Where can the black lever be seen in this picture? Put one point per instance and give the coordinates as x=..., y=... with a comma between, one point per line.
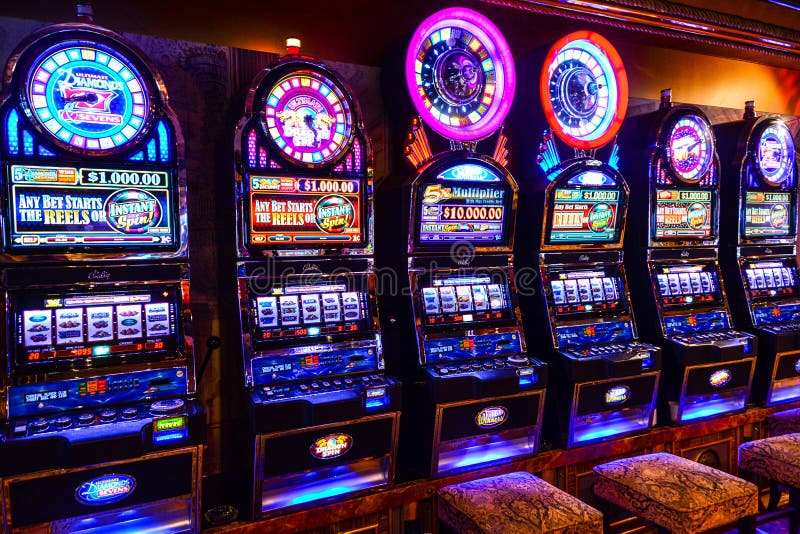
x=212, y=344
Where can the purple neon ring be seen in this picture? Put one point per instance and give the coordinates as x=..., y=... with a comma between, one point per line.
x=499, y=52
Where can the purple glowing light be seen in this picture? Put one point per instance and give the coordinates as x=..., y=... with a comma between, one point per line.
x=487, y=94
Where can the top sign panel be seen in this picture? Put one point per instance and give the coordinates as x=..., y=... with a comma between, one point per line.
x=87, y=98
x=308, y=118
x=460, y=74
x=584, y=90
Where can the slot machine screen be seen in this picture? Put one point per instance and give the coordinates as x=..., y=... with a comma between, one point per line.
x=575, y=293
x=688, y=283
x=584, y=216
x=316, y=311
x=286, y=211
x=61, y=209
x=453, y=209
x=459, y=300
x=771, y=279
x=768, y=214
x=683, y=214
x=93, y=328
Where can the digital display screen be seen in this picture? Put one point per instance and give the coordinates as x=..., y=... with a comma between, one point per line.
x=450, y=212
x=682, y=214
x=307, y=311
x=586, y=291
x=292, y=211
x=767, y=214
x=463, y=299
x=60, y=208
x=771, y=279
x=584, y=216
x=683, y=284
x=72, y=327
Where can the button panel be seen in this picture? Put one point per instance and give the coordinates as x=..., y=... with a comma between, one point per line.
x=288, y=391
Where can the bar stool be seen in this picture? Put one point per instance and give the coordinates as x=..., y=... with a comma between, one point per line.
x=677, y=494
x=779, y=423
x=778, y=459
x=514, y=503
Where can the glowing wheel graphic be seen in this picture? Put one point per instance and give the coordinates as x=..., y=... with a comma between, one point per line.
x=690, y=148
x=460, y=74
x=584, y=90
x=775, y=153
x=87, y=97
x=308, y=117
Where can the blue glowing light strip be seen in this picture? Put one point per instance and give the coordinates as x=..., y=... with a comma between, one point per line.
x=486, y=453
x=163, y=141
x=12, y=133
x=548, y=157
x=713, y=407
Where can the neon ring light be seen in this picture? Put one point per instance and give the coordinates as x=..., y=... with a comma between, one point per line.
x=690, y=147
x=775, y=153
x=584, y=90
x=87, y=97
x=460, y=74
x=308, y=117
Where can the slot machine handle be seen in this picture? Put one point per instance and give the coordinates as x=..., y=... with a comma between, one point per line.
x=212, y=344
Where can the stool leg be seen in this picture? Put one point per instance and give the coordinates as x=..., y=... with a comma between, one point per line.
x=747, y=525
x=774, y=496
x=794, y=514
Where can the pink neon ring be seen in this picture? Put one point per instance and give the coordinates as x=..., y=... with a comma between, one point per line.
x=488, y=34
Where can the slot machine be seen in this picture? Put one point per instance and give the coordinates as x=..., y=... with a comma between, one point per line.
x=607, y=379
x=100, y=430
x=324, y=417
x=479, y=396
x=709, y=366
x=759, y=255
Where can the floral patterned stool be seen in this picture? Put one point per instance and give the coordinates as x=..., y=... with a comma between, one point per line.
x=514, y=503
x=777, y=459
x=677, y=494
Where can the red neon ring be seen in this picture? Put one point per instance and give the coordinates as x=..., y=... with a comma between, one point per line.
x=622, y=89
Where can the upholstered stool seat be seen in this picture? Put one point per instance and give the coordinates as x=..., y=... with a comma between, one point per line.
x=777, y=459
x=677, y=494
x=786, y=422
x=515, y=503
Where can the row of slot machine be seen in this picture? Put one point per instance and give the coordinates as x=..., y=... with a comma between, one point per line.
x=98, y=385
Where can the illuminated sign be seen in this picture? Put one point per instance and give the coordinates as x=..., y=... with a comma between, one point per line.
x=331, y=446
x=308, y=118
x=491, y=417
x=169, y=423
x=105, y=489
x=584, y=215
x=289, y=210
x=719, y=378
x=618, y=395
x=88, y=97
x=767, y=214
x=460, y=74
x=797, y=365
x=468, y=172
x=584, y=90
x=683, y=214
x=63, y=207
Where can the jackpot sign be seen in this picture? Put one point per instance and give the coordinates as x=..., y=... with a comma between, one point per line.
x=60, y=206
